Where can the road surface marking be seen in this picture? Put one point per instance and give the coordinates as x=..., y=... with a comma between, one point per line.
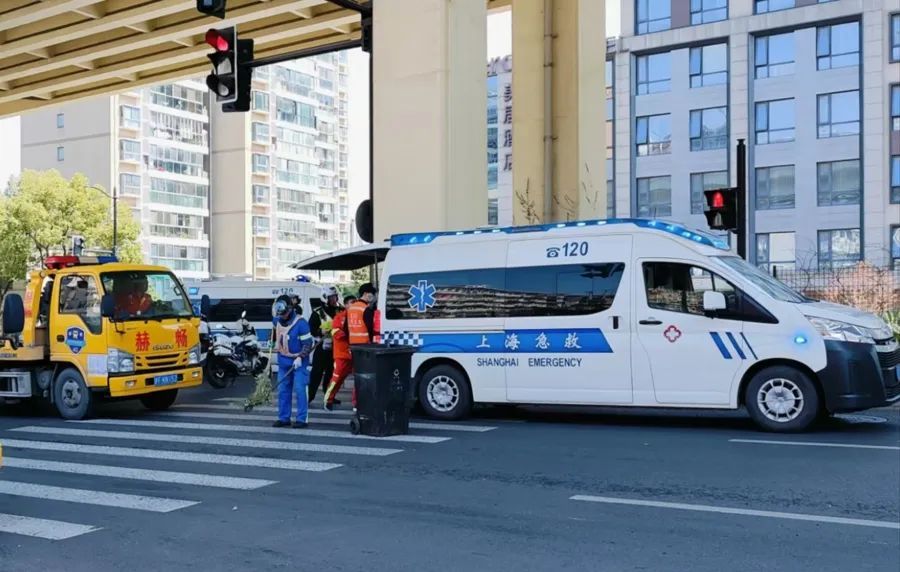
x=42, y=528
x=257, y=429
x=137, y=474
x=100, y=498
x=225, y=414
x=814, y=444
x=238, y=405
x=172, y=455
x=740, y=511
x=168, y=438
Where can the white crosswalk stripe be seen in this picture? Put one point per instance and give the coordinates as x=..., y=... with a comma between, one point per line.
x=99, y=498
x=299, y=433
x=323, y=420
x=198, y=479
x=313, y=411
x=270, y=463
x=170, y=438
x=42, y=528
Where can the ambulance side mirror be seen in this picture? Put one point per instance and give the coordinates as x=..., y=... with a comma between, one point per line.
x=713, y=303
x=13, y=314
x=108, y=306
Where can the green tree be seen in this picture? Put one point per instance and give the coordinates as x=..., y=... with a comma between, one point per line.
x=42, y=211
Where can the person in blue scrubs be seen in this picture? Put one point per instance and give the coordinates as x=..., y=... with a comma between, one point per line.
x=293, y=343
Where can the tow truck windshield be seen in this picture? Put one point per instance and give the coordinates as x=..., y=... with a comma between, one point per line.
x=146, y=295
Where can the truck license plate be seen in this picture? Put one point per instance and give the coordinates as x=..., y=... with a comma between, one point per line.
x=165, y=379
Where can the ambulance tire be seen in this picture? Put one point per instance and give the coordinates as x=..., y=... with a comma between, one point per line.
x=159, y=400
x=444, y=393
x=71, y=395
x=782, y=399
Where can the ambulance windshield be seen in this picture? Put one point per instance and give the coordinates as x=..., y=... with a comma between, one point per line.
x=771, y=286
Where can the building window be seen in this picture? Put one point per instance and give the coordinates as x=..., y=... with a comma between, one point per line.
x=654, y=197
x=775, y=121
x=493, y=214
x=839, y=183
x=774, y=55
x=263, y=256
x=260, y=226
x=775, y=188
x=839, y=247
x=709, y=65
x=260, y=101
x=295, y=112
x=705, y=182
x=130, y=184
x=654, y=135
x=837, y=46
x=129, y=150
x=838, y=114
x=895, y=38
x=260, y=194
x=260, y=163
x=709, y=129
x=895, y=247
x=610, y=199
x=763, y=6
x=260, y=132
x=653, y=15
x=704, y=11
x=895, y=179
x=130, y=117
x=895, y=107
x=654, y=73
x=60, y=120
x=60, y=154
x=776, y=251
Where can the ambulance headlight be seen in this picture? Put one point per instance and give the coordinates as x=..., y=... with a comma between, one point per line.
x=118, y=361
x=841, y=331
x=194, y=355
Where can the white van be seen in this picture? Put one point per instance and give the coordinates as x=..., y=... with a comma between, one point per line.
x=620, y=312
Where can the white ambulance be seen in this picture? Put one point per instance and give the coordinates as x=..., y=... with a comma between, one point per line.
x=624, y=312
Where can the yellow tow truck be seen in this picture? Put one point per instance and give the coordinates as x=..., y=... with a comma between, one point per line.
x=92, y=327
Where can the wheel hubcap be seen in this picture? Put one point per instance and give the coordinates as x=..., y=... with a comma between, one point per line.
x=443, y=393
x=780, y=400
x=71, y=394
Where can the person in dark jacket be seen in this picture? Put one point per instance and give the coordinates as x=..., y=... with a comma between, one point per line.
x=320, y=326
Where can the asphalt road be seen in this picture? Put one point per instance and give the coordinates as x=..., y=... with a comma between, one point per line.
x=518, y=489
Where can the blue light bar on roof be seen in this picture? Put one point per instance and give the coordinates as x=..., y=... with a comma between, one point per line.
x=696, y=236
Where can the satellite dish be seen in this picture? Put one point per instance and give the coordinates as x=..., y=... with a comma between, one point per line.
x=364, y=224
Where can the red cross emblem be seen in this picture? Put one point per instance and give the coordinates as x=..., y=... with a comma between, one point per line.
x=672, y=334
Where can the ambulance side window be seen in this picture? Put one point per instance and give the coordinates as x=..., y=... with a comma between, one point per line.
x=79, y=295
x=679, y=288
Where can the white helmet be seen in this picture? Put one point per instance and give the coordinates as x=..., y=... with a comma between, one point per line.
x=328, y=292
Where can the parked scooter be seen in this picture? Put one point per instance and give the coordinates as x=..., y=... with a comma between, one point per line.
x=233, y=354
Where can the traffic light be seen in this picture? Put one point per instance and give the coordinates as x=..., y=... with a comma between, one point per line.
x=212, y=7
x=721, y=209
x=231, y=74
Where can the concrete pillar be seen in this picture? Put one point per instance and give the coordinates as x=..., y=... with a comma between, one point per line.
x=231, y=241
x=430, y=155
x=576, y=91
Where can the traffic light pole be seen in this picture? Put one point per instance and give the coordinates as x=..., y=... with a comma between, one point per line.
x=741, y=231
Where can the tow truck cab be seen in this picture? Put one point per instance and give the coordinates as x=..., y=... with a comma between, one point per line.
x=92, y=327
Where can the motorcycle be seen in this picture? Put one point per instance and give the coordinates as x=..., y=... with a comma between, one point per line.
x=232, y=354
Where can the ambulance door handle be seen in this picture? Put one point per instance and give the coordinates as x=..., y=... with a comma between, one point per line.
x=650, y=322
x=615, y=322
x=60, y=338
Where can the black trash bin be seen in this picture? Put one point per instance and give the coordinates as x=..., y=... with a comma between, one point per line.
x=381, y=375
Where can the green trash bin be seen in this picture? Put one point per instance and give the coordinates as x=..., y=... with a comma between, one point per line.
x=382, y=377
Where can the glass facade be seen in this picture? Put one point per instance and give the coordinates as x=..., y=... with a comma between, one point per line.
x=774, y=55
x=775, y=187
x=775, y=122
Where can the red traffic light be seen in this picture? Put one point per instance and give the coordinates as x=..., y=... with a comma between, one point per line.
x=217, y=40
x=718, y=200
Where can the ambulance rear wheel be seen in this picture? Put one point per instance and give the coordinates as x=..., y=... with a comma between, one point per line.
x=159, y=400
x=73, y=398
x=782, y=399
x=444, y=393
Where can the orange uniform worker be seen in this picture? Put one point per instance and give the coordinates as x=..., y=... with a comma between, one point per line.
x=357, y=327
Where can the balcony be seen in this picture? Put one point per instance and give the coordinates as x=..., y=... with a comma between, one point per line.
x=182, y=232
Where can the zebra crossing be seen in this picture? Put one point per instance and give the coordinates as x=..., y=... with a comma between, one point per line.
x=188, y=452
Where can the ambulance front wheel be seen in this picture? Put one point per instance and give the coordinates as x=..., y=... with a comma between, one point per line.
x=444, y=393
x=782, y=399
x=73, y=398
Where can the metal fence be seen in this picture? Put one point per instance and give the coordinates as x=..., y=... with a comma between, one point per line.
x=865, y=287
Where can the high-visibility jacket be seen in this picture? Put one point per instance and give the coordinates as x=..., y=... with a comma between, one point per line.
x=341, y=343
x=357, y=331
x=377, y=326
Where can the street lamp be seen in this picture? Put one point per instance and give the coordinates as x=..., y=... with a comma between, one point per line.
x=115, y=200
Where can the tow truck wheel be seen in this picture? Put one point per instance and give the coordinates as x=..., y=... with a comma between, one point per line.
x=73, y=399
x=782, y=399
x=159, y=400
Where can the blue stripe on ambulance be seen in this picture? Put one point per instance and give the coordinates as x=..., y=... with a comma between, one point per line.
x=720, y=344
x=575, y=340
x=738, y=348
x=749, y=347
